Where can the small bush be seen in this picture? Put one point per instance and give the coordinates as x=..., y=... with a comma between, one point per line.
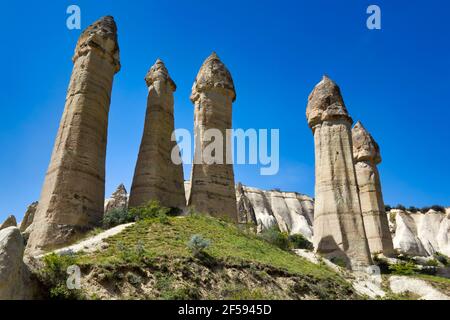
x=432, y=263
x=53, y=276
x=151, y=210
x=275, y=237
x=442, y=258
x=198, y=244
x=400, y=207
x=425, y=209
x=413, y=209
x=116, y=217
x=403, y=268
x=387, y=208
x=298, y=241
x=438, y=208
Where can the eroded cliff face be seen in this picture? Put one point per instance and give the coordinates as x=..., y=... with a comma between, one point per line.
x=420, y=234
x=290, y=211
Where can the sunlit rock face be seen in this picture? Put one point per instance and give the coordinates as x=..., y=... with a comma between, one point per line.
x=366, y=153
x=73, y=193
x=212, y=184
x=156, y=175
x=420, y=234
x=338, y=224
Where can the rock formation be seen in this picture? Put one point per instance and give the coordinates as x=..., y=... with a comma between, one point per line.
x=15, y=279
x=420, y=234
x=156, y=176
x=366, y=153
x=28, y=217
x=291, y=212
x=118, y=200
x=9, y=222
x=338, y=225
x=72, y=197
x=212, y=184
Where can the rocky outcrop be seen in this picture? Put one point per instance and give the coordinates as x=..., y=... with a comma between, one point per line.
x=420, y=234
x=157, y=175
x=118, y=200
x=291, y=212
x=15, y=279
x=366, y=153
x=28, y=217
x=212, y=182
x=72, y=198
x=9, y=222
x=338, y=223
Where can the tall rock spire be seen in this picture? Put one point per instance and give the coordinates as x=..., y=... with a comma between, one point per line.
x=366, y=155
x=156, y=176
x=73, y=193
x=338, y=225
x=212, y=184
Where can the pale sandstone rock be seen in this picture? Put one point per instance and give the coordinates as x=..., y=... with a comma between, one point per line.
x=118, y=200
x=9, y=222
x=212, y=185
x=366, y=153
x=73, y=194
x=15, y=279
x=156, y=176
x=290, y=211
x=402, y=284
x=28, y=217
x=338, y=224
x=421, y=234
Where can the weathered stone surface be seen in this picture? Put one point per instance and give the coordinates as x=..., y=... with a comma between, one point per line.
x=28, y=217
x=290, y=211
x=15, y=279
x=72, y=197
x=156, y=176
x=212, y=185
x=366, y=155
x=118, y=200
x=338, y=224
x=9, y=222
x=421, y=234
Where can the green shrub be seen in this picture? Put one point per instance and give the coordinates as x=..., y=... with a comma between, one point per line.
x=403, y=268
x=432, y=263
x=275, y=237
x=116, y=217
x=53, y=276
x=387, y=208
x=197, y=244
x=413, y=209
x=298, y=241
x=442, y=258
x=150, y=210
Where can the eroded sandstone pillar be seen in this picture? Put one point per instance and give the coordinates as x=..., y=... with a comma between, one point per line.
x=366, y=154
x=212, y=185
x=338, y=225
x=72, y=197
x=156, y=176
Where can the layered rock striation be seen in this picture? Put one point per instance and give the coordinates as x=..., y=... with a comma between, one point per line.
x=366, y=153
x=159, y=172
x=212, y=182
x=338, y=225
x=73, y=193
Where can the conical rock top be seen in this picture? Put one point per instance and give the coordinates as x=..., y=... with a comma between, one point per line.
x=213, y=74
x=325, y=103
x=364, y=145
x=100, y=36
x=9, y=222
x=159, y=72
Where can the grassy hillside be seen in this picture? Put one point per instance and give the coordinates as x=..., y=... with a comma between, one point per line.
x=151, y=260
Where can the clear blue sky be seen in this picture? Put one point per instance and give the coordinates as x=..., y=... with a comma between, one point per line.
x=397, y=81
